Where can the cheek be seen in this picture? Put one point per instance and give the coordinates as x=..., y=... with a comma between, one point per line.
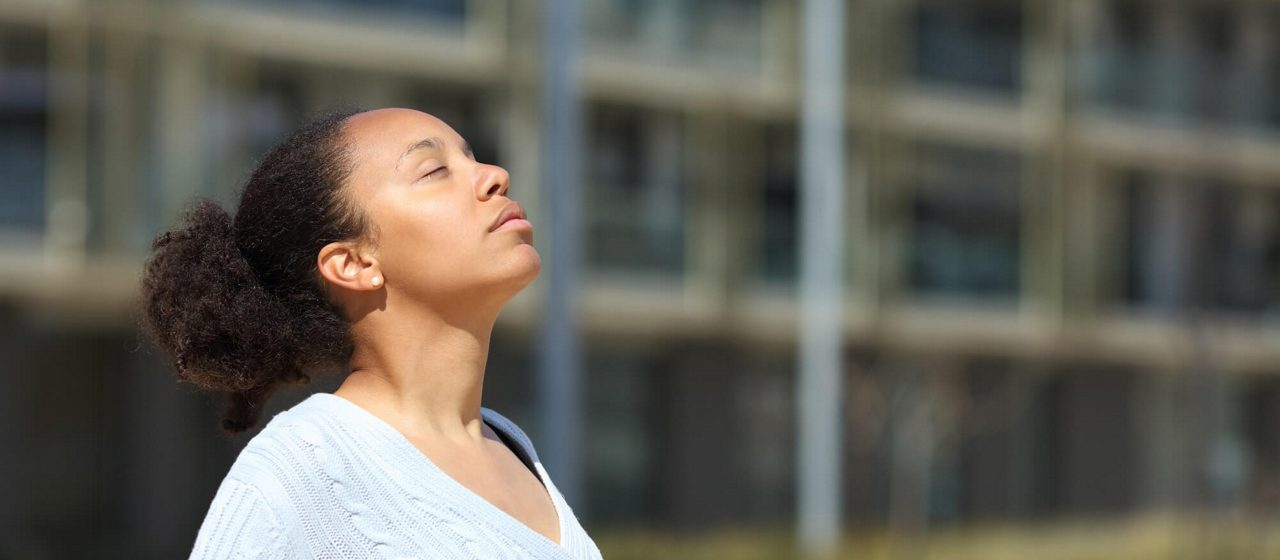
x=427, y=241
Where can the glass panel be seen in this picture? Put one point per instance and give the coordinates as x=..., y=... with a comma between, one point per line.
x=1201, y=243
x=1204, y=61
x=277, y=103
x=635, y=193
x=1244, y=248
x=453, y=10
x=726, y=32
x=23, y=113
x=619, y=440
x=971, y=43
x=779, y=234
x=965, y=222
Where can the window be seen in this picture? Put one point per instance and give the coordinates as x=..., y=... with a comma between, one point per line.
x=725, y=31
x=635, y=190
x=1195, y=242
x=780, y=236
x=450, y=10
x=1206, y=61
x=23, y=113
x=965, y=222
x=975, y=44
x=619, y=442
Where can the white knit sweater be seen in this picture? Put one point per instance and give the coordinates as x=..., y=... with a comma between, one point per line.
x=328, y=479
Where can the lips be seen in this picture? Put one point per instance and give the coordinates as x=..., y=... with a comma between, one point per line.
x=512, y=211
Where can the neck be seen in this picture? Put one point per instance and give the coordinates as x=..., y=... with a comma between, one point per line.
x=422, y=373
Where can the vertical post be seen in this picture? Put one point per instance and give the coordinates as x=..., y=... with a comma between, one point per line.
x=558, y=349
x=821, y=276
x=119, y=211
x=183, y=83
x=67, y=144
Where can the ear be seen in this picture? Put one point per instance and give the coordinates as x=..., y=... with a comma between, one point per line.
x=342, y=264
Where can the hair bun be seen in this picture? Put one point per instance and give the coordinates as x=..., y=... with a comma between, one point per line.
x=240, y=305
x=200, y=294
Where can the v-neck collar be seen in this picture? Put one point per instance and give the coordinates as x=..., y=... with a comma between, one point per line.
x=424, y=465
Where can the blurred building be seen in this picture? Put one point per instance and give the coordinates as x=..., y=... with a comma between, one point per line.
x=1064, y=257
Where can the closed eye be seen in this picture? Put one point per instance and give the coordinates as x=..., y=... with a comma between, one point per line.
x=437, y=172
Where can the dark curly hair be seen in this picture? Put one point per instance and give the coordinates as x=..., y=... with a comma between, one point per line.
x=240, y=305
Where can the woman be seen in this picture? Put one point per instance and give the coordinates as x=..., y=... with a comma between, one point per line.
x=375, y=242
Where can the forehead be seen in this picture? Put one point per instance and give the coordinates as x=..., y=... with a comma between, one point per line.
x=382, y=135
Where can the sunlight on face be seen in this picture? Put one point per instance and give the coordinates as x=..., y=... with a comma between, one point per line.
x=434, y=209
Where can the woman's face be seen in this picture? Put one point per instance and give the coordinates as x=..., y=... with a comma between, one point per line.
x=434, y=208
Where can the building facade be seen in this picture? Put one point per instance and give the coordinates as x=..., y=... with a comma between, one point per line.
x=1063, y=253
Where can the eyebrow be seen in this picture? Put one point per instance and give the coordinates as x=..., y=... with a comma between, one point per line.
x=432, y=143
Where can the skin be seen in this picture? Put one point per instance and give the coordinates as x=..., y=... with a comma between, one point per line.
x=424, y=294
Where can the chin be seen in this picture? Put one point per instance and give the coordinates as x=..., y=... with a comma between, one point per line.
x=534, y=264
x=529, y=253
x=523, y=269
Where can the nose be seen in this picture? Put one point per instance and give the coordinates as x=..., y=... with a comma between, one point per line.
x=491, y=180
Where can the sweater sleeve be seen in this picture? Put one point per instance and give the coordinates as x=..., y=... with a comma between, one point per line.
x=240, y=524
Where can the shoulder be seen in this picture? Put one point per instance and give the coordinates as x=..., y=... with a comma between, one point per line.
x=240, y=523
x=306, y=422
x=311, y=462
x=511, y=429
x=318, y=419
x=290, y=440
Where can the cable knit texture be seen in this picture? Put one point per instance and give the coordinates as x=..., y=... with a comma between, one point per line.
x=328, y=479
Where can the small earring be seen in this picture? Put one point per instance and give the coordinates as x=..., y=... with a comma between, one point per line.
x=376, y=281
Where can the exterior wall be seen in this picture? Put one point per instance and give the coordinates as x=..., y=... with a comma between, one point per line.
x=1062, y=262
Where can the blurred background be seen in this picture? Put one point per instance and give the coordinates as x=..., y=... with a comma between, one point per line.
x=1062, y=258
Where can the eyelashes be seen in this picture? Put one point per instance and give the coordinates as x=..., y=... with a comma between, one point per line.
x=435, y=172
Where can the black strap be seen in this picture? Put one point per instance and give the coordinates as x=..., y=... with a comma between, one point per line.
x=515, y=448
